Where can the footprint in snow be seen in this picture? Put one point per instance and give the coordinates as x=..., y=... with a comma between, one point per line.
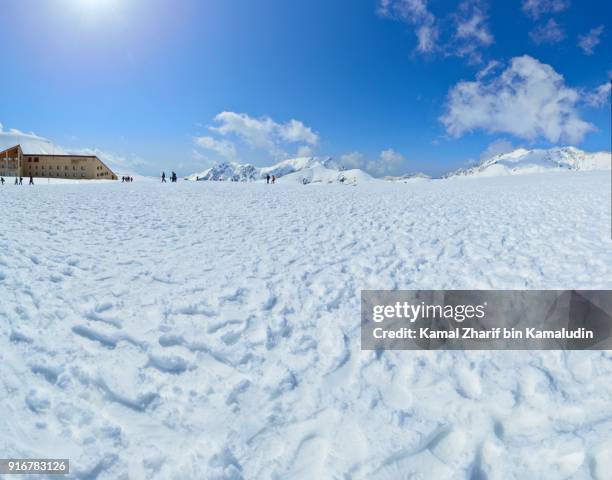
x=172, y=364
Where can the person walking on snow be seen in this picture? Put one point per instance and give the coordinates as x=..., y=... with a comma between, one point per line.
x=2, y=180
x=31, y=180
x=268, y=178
x=273, y=178
x=20, y=180
x=163, y=177
x=16, y=181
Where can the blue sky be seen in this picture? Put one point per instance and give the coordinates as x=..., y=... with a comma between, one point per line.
x=391, y=86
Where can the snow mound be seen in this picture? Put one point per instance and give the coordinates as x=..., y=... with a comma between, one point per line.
x=522, y=161
x=320, y=174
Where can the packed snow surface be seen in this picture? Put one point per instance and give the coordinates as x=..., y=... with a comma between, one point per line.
x=211, y=330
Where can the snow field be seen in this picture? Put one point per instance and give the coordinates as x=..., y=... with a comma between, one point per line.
x=211, y=330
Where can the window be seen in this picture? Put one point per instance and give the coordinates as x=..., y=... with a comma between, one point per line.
x=36, y=159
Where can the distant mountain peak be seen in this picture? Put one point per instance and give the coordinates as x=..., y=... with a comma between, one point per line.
x=522, y=160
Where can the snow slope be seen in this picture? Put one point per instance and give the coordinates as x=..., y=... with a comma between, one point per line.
x=522, y=161
x=191, y=331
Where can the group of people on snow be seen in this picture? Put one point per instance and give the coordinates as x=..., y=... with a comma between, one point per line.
x=18, y=180
x=173, y=177
x=127, y=179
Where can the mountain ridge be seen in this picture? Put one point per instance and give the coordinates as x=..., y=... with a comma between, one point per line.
x=522, y=160
x=327, y=170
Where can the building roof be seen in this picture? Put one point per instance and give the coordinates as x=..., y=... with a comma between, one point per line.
x=45, y=154
x=10, y=148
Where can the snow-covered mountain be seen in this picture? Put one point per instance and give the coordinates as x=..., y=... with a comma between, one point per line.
x=521, y=161
x=228, y=171
x=292, y=165
x=244, y=172
x=320, y=174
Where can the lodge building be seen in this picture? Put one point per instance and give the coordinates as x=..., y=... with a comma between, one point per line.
x=15, y=163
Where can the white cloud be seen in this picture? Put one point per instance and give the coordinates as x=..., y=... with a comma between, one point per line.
x=415, y=13
x=497, y=147
x=222, y=147
x=599, y=96
x=536, y=8
x=551, y=32
x=199, y=157
x=488, y=69
x=120, y=164
x=296, y=131
x=589, y=41
x=305, y=151
x=264, y=133
x=472, y=32
x=354, y=160
x=388, y=162
x=463, y=34
x=529, y=99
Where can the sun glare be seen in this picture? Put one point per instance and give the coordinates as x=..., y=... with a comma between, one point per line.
x=94, y=5
x=93, y=10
